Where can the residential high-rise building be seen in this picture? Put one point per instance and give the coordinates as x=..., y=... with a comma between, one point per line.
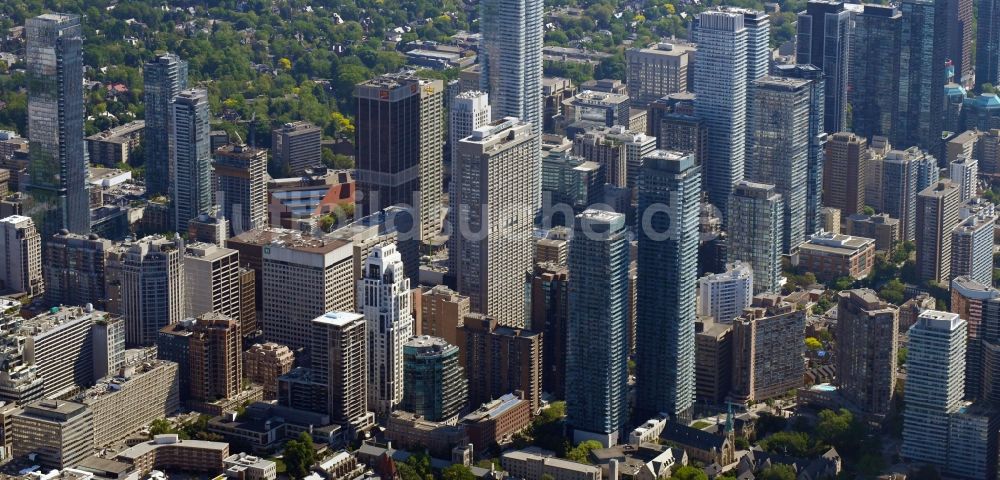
x=209, y=227
x=755, y=233
x=241, y=186
x=163, y=78
x=400, y=138
x=845, y=172
x=57, y=153
x=215, y=358
x=315, y=271
x=74, y=269
x=972, y=248
x=60, y=434
x=338, y=346
x=780, y=148
x=823, y=40
x=441, y=313
x=21, y=246
x=669, y=191
x=937, y=215
x=713, y=361
x=152, y=288
x=297, y=146
x=817, y=139
x=491, y=181
x=874, y=70
x=723, y=296
x=190, y=157
x=657, y=71
x=965, y=173
x=550, y=315
x=594, y=145
x=597, y=344
x=969, y=299
x=554, y=248
x=719, y=82
x=934, y=384
x=866, y=348
x=263, y=363
x=384, y=299
x=768, y=356
x=434, y=384
x=510, y=59
x=988, y=44
x=922, y=58
x=467, y=112
x=590, y=108
x=899, y=189
x=212, y=280
x=500, y=359
x=674, y=125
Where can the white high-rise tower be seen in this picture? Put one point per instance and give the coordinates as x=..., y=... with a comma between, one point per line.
x=510, y=58
x=384, y=299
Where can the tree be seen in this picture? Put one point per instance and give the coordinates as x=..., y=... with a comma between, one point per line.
x=778, y=472
x=868, y=210
x=548, y=477
x=299, y=456
x=796, y=444
x=407, y=472
x=581, y=453
x=813, y=344
x=688, y=472
x=160, y=426
x=901, y=355
x=457, y=472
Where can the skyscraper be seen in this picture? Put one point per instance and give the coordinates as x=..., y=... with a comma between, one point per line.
x=755, y=233
x=337, y=343
x=767, y=354
x=241, y=186
x=874, y=70
x=215, y=358
x=657, y=71
x=152, y=288
x=434, y=384
x=845, y=173
x=934, y=384
x=867, y=334
x=899, y=189
x=212, y=280
x=965, y=173
x=969, y=299
x=163, y=78
x=384, y=299
x=500, y=359
x=723, y=296
x=597, y=344
x=510, y=58
x=824, y=41
x=297, y=146
x=57, y=152
x=669, y=191
x=780, y=153
x=972, y=247
x=922, y=59
x=493, y=182
x=190, y=158
x=21, y=246
x=720, y=72
x=550, y=315
x=817, y=139
x=959, y=23
x=937, y=215
x=400, y=138
x=988, y=44
x=75, y=270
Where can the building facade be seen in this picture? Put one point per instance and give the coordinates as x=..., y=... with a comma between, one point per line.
x=190, y=157
x=241, y=186
x=163, y=78
x=21, y=267
x=434, y=383
x=755, y=233
x=866, y=350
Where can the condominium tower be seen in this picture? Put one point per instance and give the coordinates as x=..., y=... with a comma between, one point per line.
x=866, y=346
x=163, y=78
x=190, y=157
x=597, y=346
x=21, y=247
x=493, y=182
x=152, y=288
x=384, y=299
x=755, y=233
x=241, y=186
x=57, y=159
x=824, y=30
x=669, y=191
x=719, y=83
x=510, y=59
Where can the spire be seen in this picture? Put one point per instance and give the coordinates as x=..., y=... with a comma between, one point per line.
x=729, y=417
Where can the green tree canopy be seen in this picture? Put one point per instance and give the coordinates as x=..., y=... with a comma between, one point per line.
x=299, y=456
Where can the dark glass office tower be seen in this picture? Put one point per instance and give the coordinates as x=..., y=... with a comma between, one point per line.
x=875, y=75
x=163, y=79
x=824, y=41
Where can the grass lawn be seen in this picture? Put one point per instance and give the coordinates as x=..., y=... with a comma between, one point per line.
x=700, y=424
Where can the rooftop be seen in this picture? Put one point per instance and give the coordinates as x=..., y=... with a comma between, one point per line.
x=836, y=242
x=338, y=319
x=170, y=440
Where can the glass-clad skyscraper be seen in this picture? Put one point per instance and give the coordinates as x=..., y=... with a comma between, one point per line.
x=669, y=192
x=163, y=78
x=58, y=157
